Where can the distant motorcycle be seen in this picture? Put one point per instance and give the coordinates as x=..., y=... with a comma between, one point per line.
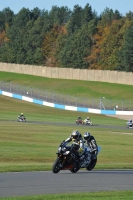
x=88, y=122
x=21, y=119
x=66, y=156
x=129, y=124
x=79, y=121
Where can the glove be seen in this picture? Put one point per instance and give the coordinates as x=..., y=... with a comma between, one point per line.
x=80, y=150
x=73, y=140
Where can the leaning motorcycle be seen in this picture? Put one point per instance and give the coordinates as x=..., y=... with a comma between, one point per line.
x=21, y=119
x=129, y=124
x=66, y=159
x=79, y=121
x=88, y=122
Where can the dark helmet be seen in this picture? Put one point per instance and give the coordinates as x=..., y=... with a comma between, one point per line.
x=86, y=135
x=75, y=134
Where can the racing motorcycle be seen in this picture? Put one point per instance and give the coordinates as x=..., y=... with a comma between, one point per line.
x=21, y=119
x=129, y=125
x=79, y=121
x=66, y=157
x=88, y=122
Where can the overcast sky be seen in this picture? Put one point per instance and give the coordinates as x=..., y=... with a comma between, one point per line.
x=123, y=6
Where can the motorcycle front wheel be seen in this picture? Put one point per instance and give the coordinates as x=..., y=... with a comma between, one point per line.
x=56, y=166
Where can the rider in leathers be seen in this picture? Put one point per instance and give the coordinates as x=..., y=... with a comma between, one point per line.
x=91, y=143
x=78, y=141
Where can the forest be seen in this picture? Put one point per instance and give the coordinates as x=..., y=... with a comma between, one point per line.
x=78, y=38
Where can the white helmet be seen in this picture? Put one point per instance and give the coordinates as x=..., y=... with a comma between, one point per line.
x=86, y=135
x=75, y=134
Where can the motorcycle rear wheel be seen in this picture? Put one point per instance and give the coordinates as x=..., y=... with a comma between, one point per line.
x=92, y=164
x=56, y=168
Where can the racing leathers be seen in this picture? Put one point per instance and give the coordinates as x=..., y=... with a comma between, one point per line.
x=91, y=142
x=79, y=146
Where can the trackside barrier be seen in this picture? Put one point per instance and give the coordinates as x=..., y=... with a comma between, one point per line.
x=64, y=107
x=101, y=103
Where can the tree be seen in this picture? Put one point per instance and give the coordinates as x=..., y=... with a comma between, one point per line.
x=126, y=53
x=50, y=43
x=108, y=16
x=74, y=49
x=59, y=16
x=75, y=22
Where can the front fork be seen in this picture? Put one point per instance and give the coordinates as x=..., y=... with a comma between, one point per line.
x=62, y=160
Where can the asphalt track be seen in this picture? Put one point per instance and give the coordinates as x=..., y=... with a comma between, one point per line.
x=33, y=183
x=72, y=124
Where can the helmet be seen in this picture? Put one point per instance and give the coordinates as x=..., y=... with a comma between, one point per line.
x=22, y=113
x=88, y=118
x=86, y=135
x=75, y=134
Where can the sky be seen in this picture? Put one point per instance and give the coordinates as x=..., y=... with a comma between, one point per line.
x=123, y=6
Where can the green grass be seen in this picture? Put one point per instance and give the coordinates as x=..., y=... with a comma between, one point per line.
x=86, y=89
x=30, y=147
x=112, y=195
x=26, y=146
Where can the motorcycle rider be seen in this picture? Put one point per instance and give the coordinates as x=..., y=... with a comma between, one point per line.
x=88, y=119
x=78, y=141
x=91, y=142
x=21, y=115
x=130, y=121
x=79, y=118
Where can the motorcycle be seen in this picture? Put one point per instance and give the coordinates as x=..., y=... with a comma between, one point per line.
x=21, y=119
x=66, y=156
x=79, y=121
x=88, y=122
x=129, y=124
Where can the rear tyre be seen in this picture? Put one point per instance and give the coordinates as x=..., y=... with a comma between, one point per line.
x=92, y=164
x=56, y=166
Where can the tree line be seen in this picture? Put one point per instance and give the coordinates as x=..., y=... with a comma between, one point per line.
x=61, y=37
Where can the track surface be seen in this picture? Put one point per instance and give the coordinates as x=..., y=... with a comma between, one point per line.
x=33, y=183
x=72, y=124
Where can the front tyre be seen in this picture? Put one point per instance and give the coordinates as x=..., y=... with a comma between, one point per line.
x=56, y=165
x=92, y=164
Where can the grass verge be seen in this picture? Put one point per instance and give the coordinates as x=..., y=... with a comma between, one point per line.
x=112, y=195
